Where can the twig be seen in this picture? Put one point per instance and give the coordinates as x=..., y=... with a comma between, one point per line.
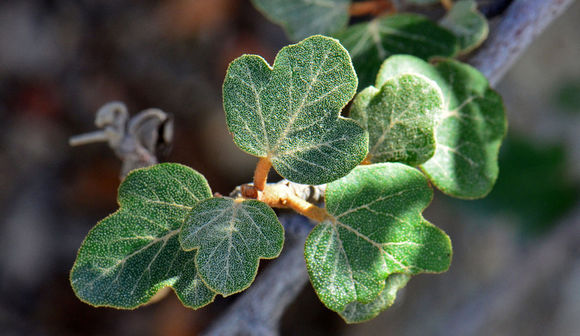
x=136, y=141
x=523, y=21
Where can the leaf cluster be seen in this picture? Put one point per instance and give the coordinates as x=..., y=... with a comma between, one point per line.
x=419, y=124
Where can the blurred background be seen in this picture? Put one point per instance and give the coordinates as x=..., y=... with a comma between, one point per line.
x=516, y=267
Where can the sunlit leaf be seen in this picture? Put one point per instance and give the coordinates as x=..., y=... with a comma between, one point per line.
x=231, y=236
x=132, y=254
x=467, y=23
x=356, y=312
x=399, y=118
x=375, y=229
x=302, y=18
x=470, y=127
x=370, y=43
x=290, y=113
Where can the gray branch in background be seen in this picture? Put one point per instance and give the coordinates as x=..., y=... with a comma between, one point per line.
x=523, y=21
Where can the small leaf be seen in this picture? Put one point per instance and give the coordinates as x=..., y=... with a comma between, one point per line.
x=290, y=113
x=356, y=312
x=375, y=229
x=470, y=127
x=370, y=43
x=129, y=256
x=399, y=118
x=231, y=236
x=302, y=18
x=467, y=23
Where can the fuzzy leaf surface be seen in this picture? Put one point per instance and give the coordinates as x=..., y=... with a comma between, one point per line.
x=470, y=128
x=375, y=229
x=130, y=255
x=400, y=118
x=356, y=312
x=302, y=18
x=290, y=113
x=370, y=43
x=230, y=237
x=467, y=23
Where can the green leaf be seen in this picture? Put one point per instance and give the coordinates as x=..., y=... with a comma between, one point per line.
x=375, y=229
x=356, y=312
x=290, y=112
x=231, y=236
x=467, y=23
x=130, y=255
x=370, y=43
x=470, y=128
x=302, y=18
x=400, y=118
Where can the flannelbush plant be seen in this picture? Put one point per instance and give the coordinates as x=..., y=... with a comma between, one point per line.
x=420, y=124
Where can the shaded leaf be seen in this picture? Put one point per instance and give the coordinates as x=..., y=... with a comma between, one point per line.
x=129, y=256
x=399, y=118
x=375, y=229
x=231, y=236
x=356, y=312
x=302, y=18
x=470, y=128
x=467, y=23
x=370, y=43
x=290, y=113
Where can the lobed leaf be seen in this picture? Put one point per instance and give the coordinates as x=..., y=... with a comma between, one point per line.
x=375, y=229
x=290, y=113
x=356, y=312
x=370, y=43
x=302, y=18
x=399, y=118
x=467, y=23
x=471, y=126
x=130, y=255
x=231, y=236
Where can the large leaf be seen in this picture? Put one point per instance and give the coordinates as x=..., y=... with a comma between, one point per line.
x=399, y=118
x=130, y=255
x=231, y=236
x=290, y=113
x=375, y=229
x=470, y=128
x=467, y=23
x=356, y=312
x=302, y=18
x=370, y=43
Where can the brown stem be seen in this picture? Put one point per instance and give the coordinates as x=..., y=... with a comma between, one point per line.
x=280, y=196
x=366, y=161
x=447, y=4
x=261, y=173
x=371, y=7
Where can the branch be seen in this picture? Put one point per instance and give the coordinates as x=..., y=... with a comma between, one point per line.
x=136, y=141
x=261, y=307
x=524, y=20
